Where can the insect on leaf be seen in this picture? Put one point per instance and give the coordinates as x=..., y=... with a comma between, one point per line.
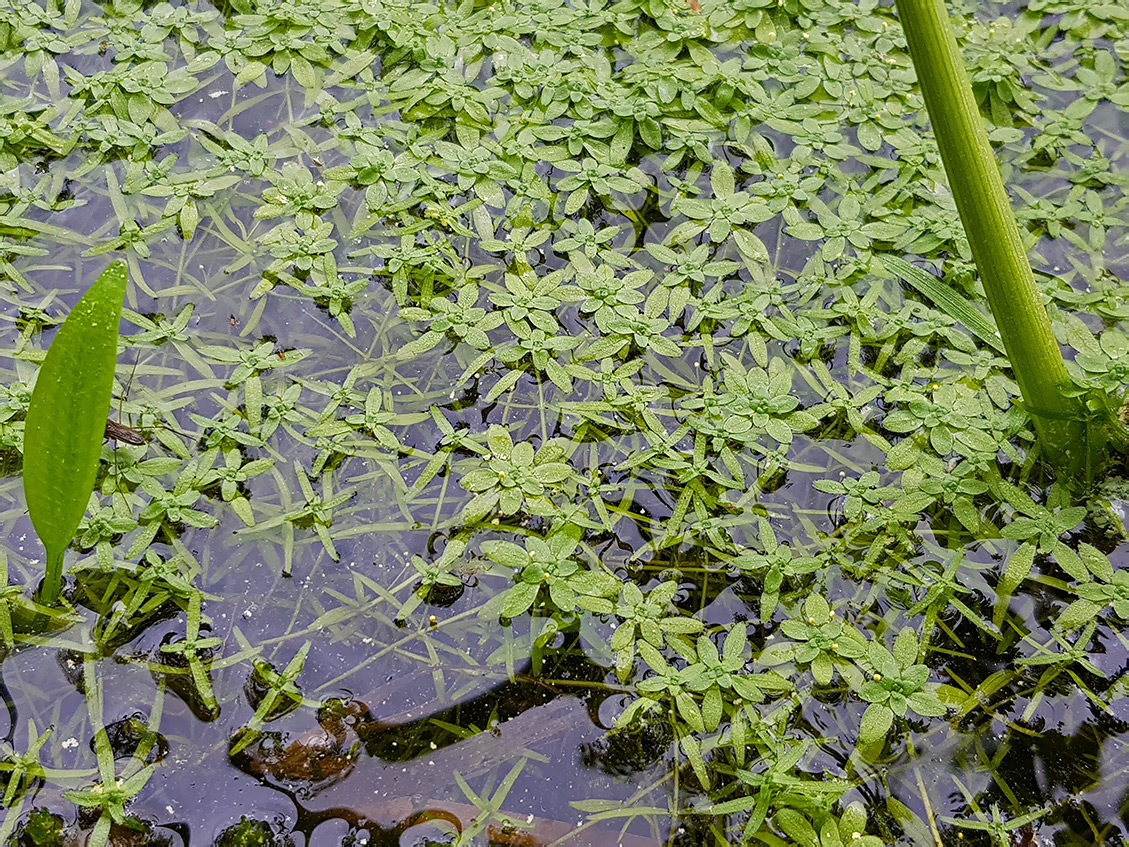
x=66, y=420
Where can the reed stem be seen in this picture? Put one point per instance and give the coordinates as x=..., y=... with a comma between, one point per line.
x=993, y=235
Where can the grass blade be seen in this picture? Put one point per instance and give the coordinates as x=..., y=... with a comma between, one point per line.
x=947, y=300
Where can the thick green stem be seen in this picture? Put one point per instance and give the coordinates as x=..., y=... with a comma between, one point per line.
x=992, y=233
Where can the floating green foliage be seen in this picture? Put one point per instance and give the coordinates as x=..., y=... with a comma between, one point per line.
x=633, y=351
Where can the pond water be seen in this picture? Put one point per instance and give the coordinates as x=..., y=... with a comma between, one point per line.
x=538, y=449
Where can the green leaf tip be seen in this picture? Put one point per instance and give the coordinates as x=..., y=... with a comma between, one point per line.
x=66, y=419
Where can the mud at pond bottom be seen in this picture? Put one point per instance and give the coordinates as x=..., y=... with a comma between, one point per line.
x=390, y=799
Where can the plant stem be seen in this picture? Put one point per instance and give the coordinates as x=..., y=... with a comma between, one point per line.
x=992, y=232
x=53, y=580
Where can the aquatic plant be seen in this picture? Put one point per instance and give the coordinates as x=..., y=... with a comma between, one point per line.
x=1071, y=434
x=66, y=420
x=506, y=352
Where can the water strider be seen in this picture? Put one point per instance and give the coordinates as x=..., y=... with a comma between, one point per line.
x=125, y=434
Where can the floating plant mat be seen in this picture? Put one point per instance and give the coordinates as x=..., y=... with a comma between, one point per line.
x=540, y=448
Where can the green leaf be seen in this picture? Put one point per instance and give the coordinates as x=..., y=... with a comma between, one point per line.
x=816, y=609
x=1069, y=518
x=1078, y=613
x=66, y=419
x=694, y=756
x=735, y=644
x=1096, y=562
x=1070, y=562
x=914, y=678
x=777, y=653
x=906, y=647
x=852, y=824
x=712, y=708
x=947, y=300
x=822, y=668
x=506, y=553
x=903, y=455
x=519, y=598
x=927, y=705
x=506, y=383
x=806, y=231
x=876, y=722
x=1018, y=568
x=796, y=827
x=750, y=245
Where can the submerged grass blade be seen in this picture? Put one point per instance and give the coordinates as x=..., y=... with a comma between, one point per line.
x=947, y=300
x=66, y=420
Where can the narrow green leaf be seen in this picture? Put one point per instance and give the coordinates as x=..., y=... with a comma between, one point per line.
x=947, y=300
x=694, y=756
x=66, y=419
